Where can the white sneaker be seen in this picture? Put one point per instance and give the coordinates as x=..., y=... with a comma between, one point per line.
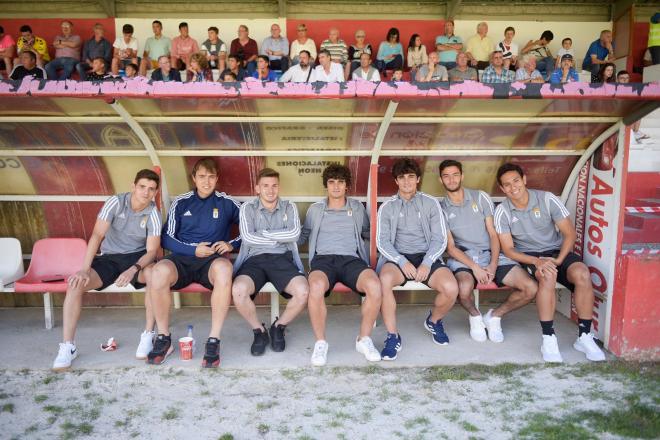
x=550, y=349
x=320, y=354
x=494, y=327
x=587, y=345
x=477, y=328
x=366, y=347
x=67, y=353
x=146, y=345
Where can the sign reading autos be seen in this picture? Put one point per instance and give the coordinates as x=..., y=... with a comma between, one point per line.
x=598, y=226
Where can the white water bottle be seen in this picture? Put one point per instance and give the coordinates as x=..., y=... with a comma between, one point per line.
x=190, y=335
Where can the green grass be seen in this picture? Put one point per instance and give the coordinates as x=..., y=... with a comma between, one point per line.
x=473, y=372
x=417, y=421
x=263, y=428
x=226, y=436
x=469, y=427
x=40, y=398
x=55, y=409
x=72, y=430
x=541, y=426
x=7, y=407
x=171, y=414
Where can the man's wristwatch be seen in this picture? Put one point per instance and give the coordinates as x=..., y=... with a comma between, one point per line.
x=138, y=267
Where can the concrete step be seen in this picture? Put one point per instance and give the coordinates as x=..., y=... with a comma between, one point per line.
x=633, y=235
x=644, y=221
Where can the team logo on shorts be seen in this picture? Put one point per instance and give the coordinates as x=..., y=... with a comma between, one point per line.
x=143, y=223
x=537, y=212
x=215, y=212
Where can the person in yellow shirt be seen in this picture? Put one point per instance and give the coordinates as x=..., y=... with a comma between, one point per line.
x=479, y=47
x=30, y=42
x=654, y=38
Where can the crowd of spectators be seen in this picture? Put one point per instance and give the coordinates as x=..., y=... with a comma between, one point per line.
x=480, y=58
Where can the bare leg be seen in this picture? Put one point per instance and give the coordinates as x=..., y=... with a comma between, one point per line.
x=220, y=274
x=546, y=300
x=163, y=276
x=444, y=283
x=525, y=289
x=465, y=292
x=578, y=274
x=73, y=305
x=241, y=290
x=149, y=319
x=318, y=285
x=390, y=276
x=369, y=283
x=299, y=291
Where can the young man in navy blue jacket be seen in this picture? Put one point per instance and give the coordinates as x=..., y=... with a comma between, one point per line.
x=197, y=235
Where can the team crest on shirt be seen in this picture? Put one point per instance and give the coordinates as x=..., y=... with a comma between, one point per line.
x=143, y=223
x=475, y=207
x=215, y=212
x=350, y=213
x=537, y=212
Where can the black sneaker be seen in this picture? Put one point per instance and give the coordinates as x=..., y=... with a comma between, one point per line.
x=162, y=349
x=277, y=342
x=260, y=341
x=212, y=354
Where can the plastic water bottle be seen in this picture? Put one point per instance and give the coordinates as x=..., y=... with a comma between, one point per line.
x=190, y=335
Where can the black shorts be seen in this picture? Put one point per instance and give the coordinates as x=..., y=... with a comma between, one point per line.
x=416, y=260
x=340, y=268
x=562, y=270
x=110, y=266
x=191, y=269
x=279, y=269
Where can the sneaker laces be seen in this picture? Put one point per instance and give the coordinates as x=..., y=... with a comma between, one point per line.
x=370, y=344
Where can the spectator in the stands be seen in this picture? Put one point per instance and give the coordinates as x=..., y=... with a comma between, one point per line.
x=125, y=50
x=463, y=72
x=355, y=52
x=397, y=75
x=276, y=48
x=198, y=69
x=654, y=38
x=417, y=55
x=95, y=47
x=623, y=77
x=390, y=52
x=228, y=77
x=336, y=47
x=479, y=47
x=263, y=71
x=131, y=71
x=67, y=53
x=99, y=70
x=154, y=48
x=245, y=49
x=234, y=66
x=27, y=66
x=366, y=71
x=545, y=62
x=164, y=72
x=183, y=47
x=7, y=50
x=496, y=73
x=303, y=72
x=30, y=42
x=302, y=42
x=565, y=72
x=215, y=49
x=607, y=73
x=449, y=45
x=566, y=48
x=527, y=72
x=432, y=70
x=327, y=70
x=600, y=52
x=509, y=48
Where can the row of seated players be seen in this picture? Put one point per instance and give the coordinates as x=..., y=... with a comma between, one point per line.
x=478, y=52
x=198, y=70
x=524, y=244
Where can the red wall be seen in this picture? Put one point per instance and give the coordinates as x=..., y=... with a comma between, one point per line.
x=376, y=30
x=641, y=186
x=49, y=28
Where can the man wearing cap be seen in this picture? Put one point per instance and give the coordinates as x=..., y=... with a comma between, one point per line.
x=565, y=72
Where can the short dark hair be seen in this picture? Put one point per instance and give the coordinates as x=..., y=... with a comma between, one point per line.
x=265, y=58
x=30, y=54
x=450, y=163
x=207, y=163
x=232, y=55
x=25, y=28
x=307, y=52
x=134, y=66
x=230, y=73
x=267, y=172
x=392, y=32
x=182, y=25
x=547, y=36
x=566, y=39
x=325, y=52
x=509, y=28
x=622, y=72
x=147, y=174
x=336, y=171
x=505, y=168
x=157, y=22
x=214, y=29
x=100, y=58
x=127, y=29
x=405, y=165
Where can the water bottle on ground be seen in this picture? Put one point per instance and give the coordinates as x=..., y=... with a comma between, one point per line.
x=190, y=335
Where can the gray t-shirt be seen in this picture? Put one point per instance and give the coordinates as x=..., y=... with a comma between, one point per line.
x=439, y=73
x=532, y=228
x=467, y=222
x=128, y=229
x=410, y=237
x=457, y=75
x=337, y=233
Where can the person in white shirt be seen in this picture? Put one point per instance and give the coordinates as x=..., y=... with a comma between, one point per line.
x=509, y=48
x=366, y=71
x=302, y=43
x=301, y=72
x=327, y=71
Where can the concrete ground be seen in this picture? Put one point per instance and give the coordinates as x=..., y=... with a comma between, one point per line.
x=32, y=346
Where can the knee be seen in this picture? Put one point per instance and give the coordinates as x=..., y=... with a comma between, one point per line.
x=301, y=292
x=159, y=276
x=373, y=290
x=240, y=293
x=317, y=287
x=529, y=290
x=449, y=288
x=221, y=271
x=581, y=276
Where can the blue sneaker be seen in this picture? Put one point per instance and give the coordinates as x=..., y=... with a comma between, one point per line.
x=392, y=347
x=438, y=331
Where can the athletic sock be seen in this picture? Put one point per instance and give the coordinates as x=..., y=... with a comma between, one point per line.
x=584, y=326
x=547, y=327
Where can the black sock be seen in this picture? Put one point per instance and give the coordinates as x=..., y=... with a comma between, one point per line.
x=584, y=326
x=546, y=327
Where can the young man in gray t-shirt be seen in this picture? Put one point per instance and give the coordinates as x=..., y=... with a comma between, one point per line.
x=535, y=230
x=127, y=231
